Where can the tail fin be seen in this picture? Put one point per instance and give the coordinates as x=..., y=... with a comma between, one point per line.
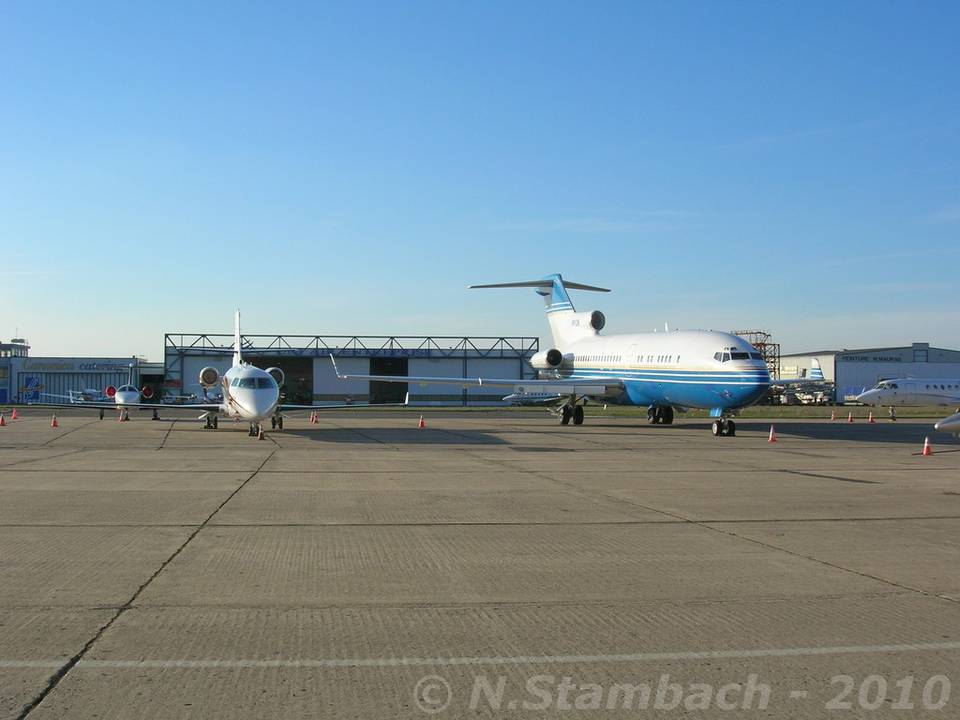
x=565, y=325
x=236, y=338
x=816, y=372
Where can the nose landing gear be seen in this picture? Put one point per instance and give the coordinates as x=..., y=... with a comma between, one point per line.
x=211, y=423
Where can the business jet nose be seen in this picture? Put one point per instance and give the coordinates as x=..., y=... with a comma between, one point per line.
x=949, y=424
x=868, y=398
x=263, y=402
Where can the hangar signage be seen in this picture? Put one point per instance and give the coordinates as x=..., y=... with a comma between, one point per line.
x=68, y=365
x=870, y=358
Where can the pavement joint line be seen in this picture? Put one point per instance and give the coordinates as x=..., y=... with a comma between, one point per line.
x=65, y=667
x=731, y=533
x=493, y=523
x=167, y=433
x=832, y=477
x=58, y=436
x=73, y=451
x=363, y=435
x=389, y=662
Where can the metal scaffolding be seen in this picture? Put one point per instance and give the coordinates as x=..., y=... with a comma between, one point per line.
x=770, y=350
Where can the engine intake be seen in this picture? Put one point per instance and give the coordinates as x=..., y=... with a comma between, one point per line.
x=547, y=359
x=209, y=376
x=597, y=320
x=277, y=374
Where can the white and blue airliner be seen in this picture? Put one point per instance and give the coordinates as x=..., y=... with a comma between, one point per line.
x=663, y=372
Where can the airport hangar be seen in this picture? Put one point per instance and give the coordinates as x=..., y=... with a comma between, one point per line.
x=309, y=374
x=304, y=360
x=853, y=371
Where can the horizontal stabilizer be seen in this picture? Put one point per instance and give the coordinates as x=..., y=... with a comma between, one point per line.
x=543, y=283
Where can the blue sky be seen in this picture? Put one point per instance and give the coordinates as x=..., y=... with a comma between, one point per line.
x=350, y=168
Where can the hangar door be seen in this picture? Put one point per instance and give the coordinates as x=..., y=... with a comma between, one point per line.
x=388, y=392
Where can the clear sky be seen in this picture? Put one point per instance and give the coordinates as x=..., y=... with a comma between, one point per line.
x=351, y=167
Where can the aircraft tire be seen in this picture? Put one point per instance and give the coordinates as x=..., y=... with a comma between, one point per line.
x=731, y=428
x=667, y=416
x=578, y=415
x=565, y=414
x=717, y=428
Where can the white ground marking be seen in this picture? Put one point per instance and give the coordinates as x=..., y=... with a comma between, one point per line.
x=491, y=660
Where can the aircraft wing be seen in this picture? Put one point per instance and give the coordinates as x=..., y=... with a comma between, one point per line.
x=344, y=406
x=589, y=385
x=209, y=407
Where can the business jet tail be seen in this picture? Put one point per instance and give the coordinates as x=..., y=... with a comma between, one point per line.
x=236, y=338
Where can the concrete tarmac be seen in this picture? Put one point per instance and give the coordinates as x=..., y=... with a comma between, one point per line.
x=494, y=564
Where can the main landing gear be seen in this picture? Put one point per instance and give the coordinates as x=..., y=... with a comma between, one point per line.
x=659, y=415
x=276, y=422
x=571, y=412
x=211, y=423
x=723, y=427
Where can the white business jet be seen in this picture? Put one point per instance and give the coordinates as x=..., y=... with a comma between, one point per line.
x=249, y=393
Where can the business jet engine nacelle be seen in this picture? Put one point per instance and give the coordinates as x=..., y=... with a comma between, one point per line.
x=209, y=376
x=277, y=374
x=546, y=359
x=147, y=392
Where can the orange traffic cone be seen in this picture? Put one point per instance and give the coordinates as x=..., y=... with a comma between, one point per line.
x=421, y=425
x=316, y=418
x=2, y=421
x=13, y=415
x=850, y=417
x=871, y=420
x=53, y=422
x=833, y=414
x=927, y=447
x=773, y=435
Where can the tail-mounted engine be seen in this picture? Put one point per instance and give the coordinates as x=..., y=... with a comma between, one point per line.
x=277, y=374
x=209, y=377
x=547, y=359
x=147, y=392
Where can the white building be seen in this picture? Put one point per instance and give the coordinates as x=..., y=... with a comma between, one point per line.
x=852, y=371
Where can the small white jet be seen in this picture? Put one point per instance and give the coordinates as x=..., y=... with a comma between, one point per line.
x=918, y=392
x=120, y=398
x=523, y=397
x=660, y=371
x=249, y=393
x=913, y=392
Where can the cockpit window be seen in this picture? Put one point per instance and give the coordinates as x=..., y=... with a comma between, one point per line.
x=718, y=356
x=756, y=356
x=726, y=357
x=249, y=383
x=740, y=355
x=265, y=383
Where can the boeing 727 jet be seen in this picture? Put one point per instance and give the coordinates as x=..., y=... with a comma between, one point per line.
x=660, y=371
